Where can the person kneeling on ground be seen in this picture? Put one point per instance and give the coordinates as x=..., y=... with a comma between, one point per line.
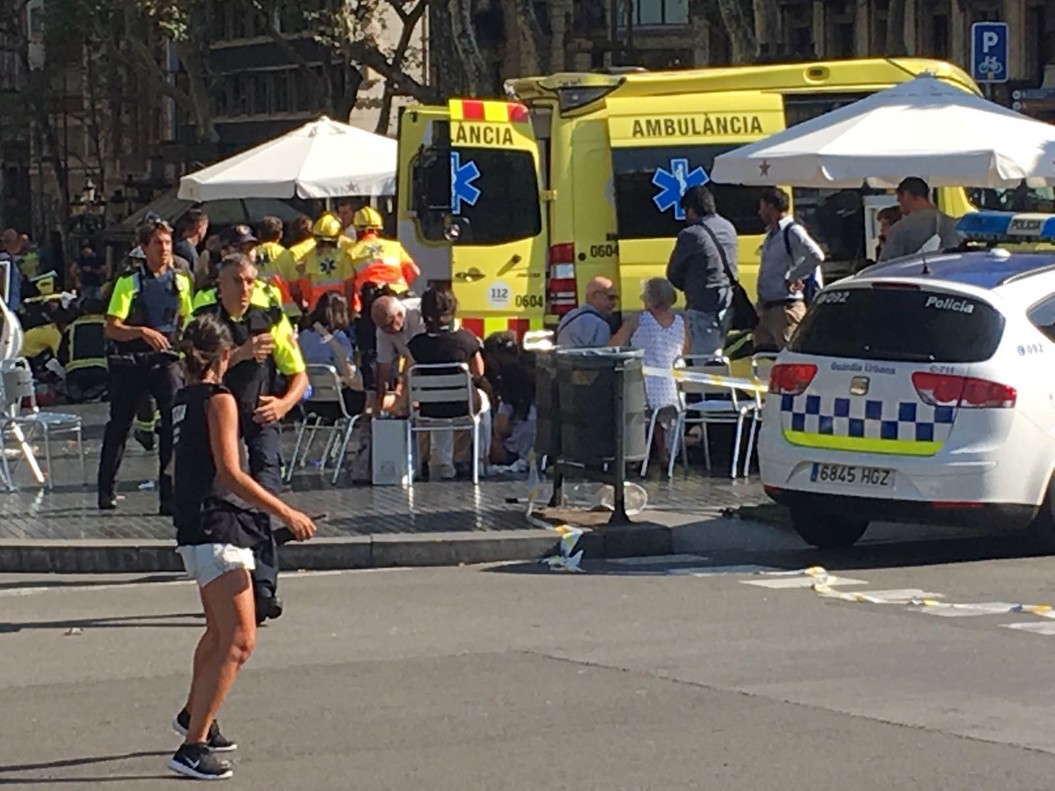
x=219, y=514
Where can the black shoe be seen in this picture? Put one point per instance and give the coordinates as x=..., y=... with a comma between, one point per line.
x=268, y=607
x=216, y=741
x=144, y=438
x=197, y=761
x=107, y=501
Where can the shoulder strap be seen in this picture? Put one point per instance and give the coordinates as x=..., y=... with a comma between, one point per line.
x=721, y=253
x=787, y=239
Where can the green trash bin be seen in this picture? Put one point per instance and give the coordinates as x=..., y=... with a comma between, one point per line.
x=547, y=405
x=587, y=385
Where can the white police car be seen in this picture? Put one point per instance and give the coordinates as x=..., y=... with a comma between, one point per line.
x=922, y=390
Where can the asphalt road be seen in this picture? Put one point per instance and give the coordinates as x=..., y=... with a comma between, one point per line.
x=690, y=673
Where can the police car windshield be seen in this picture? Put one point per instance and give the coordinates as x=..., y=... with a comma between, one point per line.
x=896, y=324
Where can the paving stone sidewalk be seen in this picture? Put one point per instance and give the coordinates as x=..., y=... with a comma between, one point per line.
x=428, y=509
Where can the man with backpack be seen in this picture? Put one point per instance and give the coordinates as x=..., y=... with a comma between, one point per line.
x=704, y=266
x=788, y=275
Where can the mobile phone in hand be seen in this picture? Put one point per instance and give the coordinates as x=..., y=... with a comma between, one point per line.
x=284, y=535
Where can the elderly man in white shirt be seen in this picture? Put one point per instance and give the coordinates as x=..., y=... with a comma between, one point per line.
x=397, y=321
x=789, y=257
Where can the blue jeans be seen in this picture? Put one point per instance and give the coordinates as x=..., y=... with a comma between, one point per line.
x=707, y=331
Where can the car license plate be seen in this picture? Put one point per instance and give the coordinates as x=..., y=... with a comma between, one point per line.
x=850, y=475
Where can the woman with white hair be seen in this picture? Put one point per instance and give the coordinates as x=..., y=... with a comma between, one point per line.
x=662, y=335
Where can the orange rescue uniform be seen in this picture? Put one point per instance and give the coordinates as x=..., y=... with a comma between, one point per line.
x=382, y=262
x=326, y=268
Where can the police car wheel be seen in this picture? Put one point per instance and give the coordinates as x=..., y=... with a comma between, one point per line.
x=825, y=530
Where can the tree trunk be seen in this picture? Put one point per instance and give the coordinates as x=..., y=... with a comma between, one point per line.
x=470, y=70
x=896, y=46
x=741, y=32
x=767, y=29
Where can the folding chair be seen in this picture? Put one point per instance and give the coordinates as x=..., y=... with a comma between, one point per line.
x=761, y=365
x=324, y=411
x=730, y=408
x=442, y=384
x=18, y=387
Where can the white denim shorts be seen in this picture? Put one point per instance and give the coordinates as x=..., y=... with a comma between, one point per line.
x=207, y=562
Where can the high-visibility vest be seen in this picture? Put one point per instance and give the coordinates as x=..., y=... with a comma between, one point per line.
x=382, y=262
x=276, y=266
x=84, y=344
x=325, y=269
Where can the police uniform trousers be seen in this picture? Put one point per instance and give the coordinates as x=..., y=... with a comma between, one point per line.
x=128, y=386
x=265, y=467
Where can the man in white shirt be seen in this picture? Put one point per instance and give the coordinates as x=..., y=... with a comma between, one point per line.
x=922, y=227
x=397, y=321
x=789, y=257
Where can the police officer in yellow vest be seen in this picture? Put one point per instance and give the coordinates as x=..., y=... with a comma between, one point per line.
x=147, y=308
x=268, y=378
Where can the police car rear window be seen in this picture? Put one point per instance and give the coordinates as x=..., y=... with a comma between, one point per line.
x=899, y=324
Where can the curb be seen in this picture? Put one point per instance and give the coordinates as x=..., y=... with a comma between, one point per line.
x=93, y=556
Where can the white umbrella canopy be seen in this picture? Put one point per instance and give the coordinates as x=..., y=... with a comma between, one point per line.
x=924, y=127
x=322, y=159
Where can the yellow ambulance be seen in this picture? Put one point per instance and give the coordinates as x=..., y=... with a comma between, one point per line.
x=519, y=204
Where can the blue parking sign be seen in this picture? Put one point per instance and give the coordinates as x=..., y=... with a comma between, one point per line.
x=989, y=52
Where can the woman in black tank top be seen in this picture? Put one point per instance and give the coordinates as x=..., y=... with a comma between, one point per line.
x=218, y=512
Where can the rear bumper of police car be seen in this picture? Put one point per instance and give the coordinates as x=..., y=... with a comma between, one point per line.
x=991, y=486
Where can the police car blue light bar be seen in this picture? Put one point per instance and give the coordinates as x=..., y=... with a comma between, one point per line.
x=1007, y=226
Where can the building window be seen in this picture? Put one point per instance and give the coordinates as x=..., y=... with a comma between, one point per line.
x=652, y=13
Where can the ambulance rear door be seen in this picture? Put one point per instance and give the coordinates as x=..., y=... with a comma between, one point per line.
x=497, y=221
x=663, y=145
x=422, y=194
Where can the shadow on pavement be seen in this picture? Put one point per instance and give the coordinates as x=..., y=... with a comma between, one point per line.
x=190, y=619
x=54, y=582
x=68, y=763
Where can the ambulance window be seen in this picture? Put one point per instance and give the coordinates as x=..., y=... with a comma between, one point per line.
x=930, y=326
x=506, y=206
x=646, y=210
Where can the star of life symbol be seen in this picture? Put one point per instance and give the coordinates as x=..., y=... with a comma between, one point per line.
x=463, y=190
x=674, y=183
x=327, y=266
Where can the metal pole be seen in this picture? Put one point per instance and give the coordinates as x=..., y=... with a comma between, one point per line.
x=619, y=516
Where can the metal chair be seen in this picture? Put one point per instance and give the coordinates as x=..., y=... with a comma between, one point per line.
x=761, y=365
x=18, y=386
x=327, y=400
x=442, y=384
x=730, y=408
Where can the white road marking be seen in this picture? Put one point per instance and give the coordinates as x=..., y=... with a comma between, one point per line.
x=782, y=583
x=966, y=610
x=710, y=571
x=1047, y=629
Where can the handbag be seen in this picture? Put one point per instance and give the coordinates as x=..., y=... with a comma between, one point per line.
x=744, y=316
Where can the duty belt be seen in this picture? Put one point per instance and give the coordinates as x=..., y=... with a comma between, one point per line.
x=142, y=359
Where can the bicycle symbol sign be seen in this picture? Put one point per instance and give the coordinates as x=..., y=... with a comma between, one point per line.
x=989, y=51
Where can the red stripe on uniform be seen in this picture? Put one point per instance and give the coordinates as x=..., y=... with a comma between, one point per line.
x=475, y=326
x=519, y=326
x=472, y=111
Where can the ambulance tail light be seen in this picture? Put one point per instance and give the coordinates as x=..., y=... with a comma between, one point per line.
x=561, y=288
x=964, y=392
x=791, y=378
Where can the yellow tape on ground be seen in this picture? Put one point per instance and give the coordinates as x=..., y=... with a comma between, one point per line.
x=567, y=559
